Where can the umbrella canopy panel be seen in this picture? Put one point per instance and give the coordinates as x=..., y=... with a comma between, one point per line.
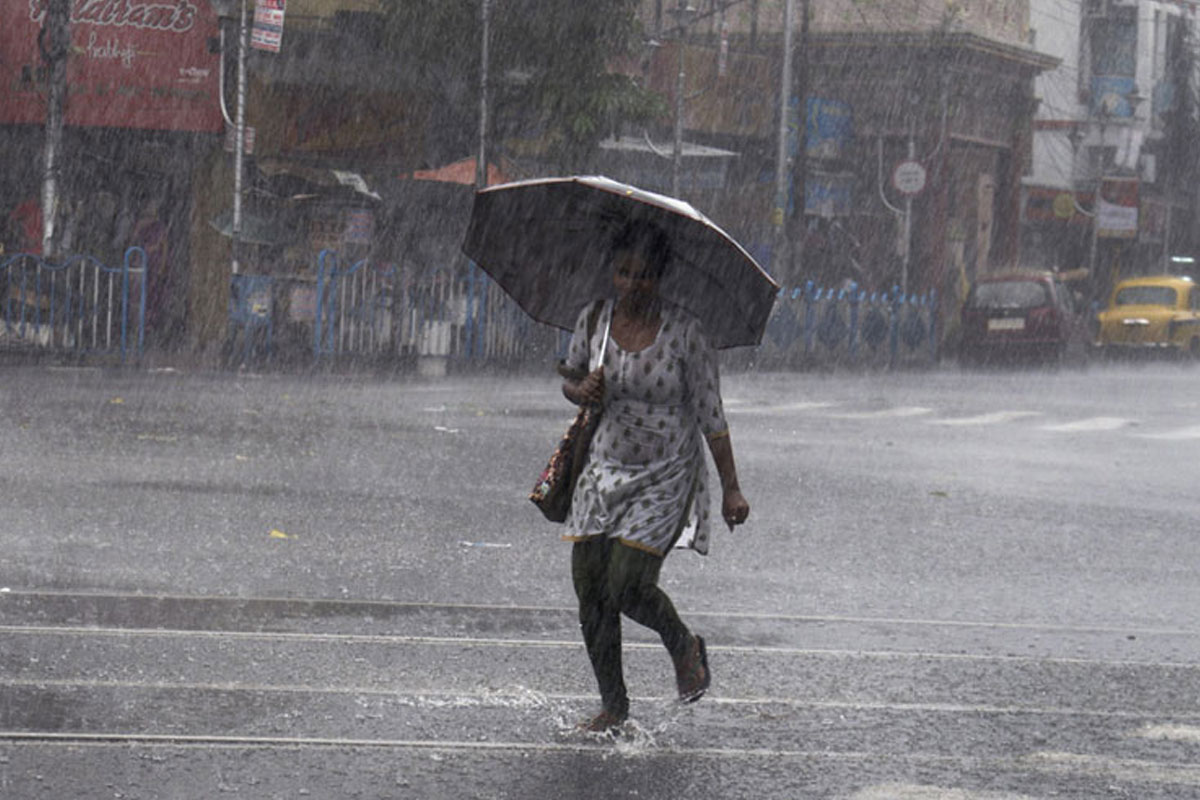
x=548, y=244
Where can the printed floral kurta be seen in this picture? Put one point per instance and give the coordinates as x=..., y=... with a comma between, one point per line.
x=645, y=481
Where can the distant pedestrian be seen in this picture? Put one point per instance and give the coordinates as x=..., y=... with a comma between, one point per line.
x=644, y=488
x=25, y=227
x=149, y=232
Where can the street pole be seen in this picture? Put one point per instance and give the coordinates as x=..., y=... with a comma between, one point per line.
x=54, y=47
x=239, y=147
x=778, y=215
x=474, y=344
x=677, y=151
x=908, y=201
x=481, y=159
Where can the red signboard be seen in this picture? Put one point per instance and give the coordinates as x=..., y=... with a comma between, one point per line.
x=133, y=64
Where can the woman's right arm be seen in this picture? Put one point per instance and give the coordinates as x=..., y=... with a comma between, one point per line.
x=580, y=386
x=588, y=389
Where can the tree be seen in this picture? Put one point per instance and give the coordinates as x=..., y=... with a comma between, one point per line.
x=551, y=69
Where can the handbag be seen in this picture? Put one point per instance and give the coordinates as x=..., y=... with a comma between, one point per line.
x=555, y=486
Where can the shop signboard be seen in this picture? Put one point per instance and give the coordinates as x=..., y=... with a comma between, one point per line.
x=829, y=129
x=1117, y=209
x=133, y=64
x=829, y=194
x=267, y=33
x=1112, y=96
x=360, y=226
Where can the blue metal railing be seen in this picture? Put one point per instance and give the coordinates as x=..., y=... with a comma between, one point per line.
x=815, y=325
x=442, y=312
x=351, y=305
x=73, y=305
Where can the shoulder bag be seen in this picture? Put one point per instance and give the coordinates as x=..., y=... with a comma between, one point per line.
x=555, y=486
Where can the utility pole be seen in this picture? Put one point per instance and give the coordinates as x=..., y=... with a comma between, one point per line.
x=779, y=213
x=683, y=14
x=54, y=41
x=796, y=223
x=481, y=158
x=239, y=147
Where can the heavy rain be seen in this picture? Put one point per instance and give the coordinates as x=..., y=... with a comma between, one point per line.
x=849, y=349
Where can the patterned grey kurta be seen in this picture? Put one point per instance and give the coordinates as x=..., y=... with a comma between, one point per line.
x=645, y=481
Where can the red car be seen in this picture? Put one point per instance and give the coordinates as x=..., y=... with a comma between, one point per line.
x=1016, y=315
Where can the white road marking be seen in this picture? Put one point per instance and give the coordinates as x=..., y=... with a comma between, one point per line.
x=885, y=413
x=902, y=791
x=1179, y=434
x=548, y=644
x=1170, y=732
x=1135, y=772
x=18, y=595
x=514, y=698
x=787, y=408
x=1128, y=770
x=1091, y=424
x=993, y=418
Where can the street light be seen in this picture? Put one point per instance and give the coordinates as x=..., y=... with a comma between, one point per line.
x=683, y=14
x=224, y=9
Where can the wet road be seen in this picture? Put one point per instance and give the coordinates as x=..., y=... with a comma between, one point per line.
x=953, y=585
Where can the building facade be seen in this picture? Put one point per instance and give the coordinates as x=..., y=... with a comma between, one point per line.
x=909, y=131
x=1112, y=190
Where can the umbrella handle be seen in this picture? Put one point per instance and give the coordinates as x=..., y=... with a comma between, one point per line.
x=604, y=341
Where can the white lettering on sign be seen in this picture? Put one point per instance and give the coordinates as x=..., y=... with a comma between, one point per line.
x=192, y=75
x=110, y=49
x=173, y=16
x=909, y=177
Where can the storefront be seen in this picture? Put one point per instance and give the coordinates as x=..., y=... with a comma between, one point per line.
x=142, y=106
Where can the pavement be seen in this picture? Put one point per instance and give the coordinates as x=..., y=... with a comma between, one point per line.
x=953, y=586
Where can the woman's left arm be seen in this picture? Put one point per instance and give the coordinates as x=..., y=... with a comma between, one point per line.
x=734, y=508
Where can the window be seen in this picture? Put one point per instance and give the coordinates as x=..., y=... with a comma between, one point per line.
x=1146, y=296
x=1010, y=294
x=1114, y=42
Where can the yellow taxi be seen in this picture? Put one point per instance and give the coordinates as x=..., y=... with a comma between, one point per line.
x=1152, y=313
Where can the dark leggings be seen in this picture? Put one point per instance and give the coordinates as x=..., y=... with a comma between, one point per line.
x=610, y=579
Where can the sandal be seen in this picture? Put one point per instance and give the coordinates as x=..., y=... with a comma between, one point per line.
x=604, y=722
x=692, y=675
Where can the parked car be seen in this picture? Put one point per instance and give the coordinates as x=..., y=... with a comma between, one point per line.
x=1023, y=315
x=1152, y=313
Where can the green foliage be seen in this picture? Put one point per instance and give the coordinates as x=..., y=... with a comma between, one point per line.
x=549, y=70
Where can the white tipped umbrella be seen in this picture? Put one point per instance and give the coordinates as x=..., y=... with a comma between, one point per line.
x=547, y=243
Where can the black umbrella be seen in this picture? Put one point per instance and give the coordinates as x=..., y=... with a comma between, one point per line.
x=546, y=242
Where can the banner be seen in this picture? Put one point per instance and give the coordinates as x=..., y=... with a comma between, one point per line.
x=1117, y=208
x=132, y=64
x=267, y=33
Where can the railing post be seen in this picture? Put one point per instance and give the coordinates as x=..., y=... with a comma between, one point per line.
x=811, y=293
x=319, y=310
x=933, y=320
x=852, y=344
x=894, y=341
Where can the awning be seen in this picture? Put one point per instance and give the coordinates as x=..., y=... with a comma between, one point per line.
x=318, y=176
x=462, y=172
x=256, y=229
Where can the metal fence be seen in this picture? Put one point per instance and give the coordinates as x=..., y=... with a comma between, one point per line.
x=373, y=310
x=813, y=326
x=369, y=310
x=79, y=305
x=463, y=316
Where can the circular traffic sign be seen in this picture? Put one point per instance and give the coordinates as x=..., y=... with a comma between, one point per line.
x=909, y=177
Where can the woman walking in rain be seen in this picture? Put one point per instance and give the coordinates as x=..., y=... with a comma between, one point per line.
x=644, y=488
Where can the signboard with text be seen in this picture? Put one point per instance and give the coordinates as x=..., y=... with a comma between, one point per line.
x=1117, y=208
x=132, y=64
x=267, y=33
